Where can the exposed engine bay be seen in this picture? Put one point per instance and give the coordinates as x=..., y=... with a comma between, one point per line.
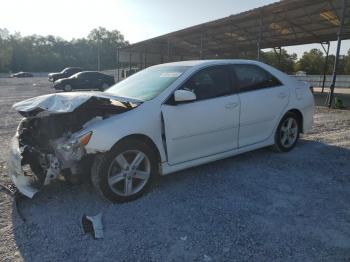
x=46, y=143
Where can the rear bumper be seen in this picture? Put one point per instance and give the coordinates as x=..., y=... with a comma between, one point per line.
x=308, y=118
x=15, y=170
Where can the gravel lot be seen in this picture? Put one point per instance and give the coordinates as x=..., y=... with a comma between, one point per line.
x=258, y=206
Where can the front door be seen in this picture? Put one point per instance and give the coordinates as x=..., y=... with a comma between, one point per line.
x=206, y=126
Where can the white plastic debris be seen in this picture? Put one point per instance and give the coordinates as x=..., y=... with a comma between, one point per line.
x=93, y=225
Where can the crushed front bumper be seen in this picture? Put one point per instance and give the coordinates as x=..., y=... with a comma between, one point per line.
x=16, y=172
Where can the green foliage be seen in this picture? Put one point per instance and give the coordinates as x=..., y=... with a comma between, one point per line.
x=49, y=53
x=283, y=61
x=311, y=62
x=347, y=64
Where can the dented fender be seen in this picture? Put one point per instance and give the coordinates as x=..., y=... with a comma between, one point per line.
x=106, y=133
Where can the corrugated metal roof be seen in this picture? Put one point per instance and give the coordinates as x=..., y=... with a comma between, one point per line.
x=285, y=23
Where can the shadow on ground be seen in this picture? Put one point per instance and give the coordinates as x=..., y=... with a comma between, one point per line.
x=257, y=206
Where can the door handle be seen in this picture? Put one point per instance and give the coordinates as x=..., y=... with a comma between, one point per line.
x=282, y=95
x=231, y=105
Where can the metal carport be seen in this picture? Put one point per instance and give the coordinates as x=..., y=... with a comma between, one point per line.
x=284, y=23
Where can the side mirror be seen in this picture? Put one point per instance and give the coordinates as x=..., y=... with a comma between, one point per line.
x=184, y=96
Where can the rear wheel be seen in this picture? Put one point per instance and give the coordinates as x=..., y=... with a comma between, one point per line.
x=124, y=173
x=67, y=88
x=287, y=133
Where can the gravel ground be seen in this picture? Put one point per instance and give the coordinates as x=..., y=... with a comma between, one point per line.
x=258, y=206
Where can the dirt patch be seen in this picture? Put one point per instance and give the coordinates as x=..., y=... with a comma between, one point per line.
x=256, y=206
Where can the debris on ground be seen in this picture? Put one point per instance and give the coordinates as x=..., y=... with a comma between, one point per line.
x=9, y=188
x=93, y=225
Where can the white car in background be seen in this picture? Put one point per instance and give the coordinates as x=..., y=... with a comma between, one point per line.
x=163, y=119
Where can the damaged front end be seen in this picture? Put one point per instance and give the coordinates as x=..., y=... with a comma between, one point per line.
x=51, y=138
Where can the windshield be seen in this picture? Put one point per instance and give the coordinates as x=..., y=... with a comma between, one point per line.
x=75, y=75
x=147, y=84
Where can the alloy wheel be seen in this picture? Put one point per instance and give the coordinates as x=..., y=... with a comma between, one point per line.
x=289, y=132
x=129, y=172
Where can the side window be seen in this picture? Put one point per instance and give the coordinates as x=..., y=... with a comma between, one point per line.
x=252, y=77
x=92, y=76
x=82, y=76
x=209, y=83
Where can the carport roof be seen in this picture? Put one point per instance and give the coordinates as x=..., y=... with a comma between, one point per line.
x=284, y=23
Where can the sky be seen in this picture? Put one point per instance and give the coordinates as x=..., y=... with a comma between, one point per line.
x=137, y=20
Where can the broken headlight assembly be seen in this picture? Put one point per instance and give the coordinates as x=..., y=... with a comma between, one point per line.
x=76, y=142
x=72, y=149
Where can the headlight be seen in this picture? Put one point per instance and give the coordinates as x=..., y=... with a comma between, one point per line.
x=73, y=149
x=84, y=139
x=74, y=143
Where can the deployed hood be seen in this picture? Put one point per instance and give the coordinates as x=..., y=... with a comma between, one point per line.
x=64, y=102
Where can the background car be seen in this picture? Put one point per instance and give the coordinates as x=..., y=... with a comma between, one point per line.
x=89, y=80
x=22, y=74
x=67, y=72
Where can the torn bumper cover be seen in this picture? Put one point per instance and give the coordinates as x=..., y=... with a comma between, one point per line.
x=16, y=172
x=51, y=138
x=67, y=154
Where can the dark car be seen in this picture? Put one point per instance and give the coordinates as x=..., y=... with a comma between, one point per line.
x=22, y=74
x=90, y=80
x=67, y=72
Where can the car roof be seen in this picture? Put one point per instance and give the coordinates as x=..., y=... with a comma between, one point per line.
x=72, y=68
x=83, y=72
x=192, y=63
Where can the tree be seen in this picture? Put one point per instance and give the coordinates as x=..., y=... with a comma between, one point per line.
x=50, y=53
x=107, y=42
x=347, y=63
x=311, y=62
x=284, y=61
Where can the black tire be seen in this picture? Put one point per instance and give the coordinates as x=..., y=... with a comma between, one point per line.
x=281, y=146
x=67, y=88
x=102, y=163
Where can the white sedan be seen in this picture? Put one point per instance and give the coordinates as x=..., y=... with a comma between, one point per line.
x=161, y=120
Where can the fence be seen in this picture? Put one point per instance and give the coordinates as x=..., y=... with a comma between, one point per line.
x=317, y=80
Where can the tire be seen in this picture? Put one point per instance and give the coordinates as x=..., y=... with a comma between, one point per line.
x=287, y=133
x=67, y=88
x=116, y=180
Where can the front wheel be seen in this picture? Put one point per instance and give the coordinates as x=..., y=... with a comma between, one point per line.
x=124, y=173
x=287, y=133
x=67, y=88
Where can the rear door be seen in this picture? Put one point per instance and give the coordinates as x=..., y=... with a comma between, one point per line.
x=263, y=100
x=90, y=80
x=206, y=126
x=83, y=81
